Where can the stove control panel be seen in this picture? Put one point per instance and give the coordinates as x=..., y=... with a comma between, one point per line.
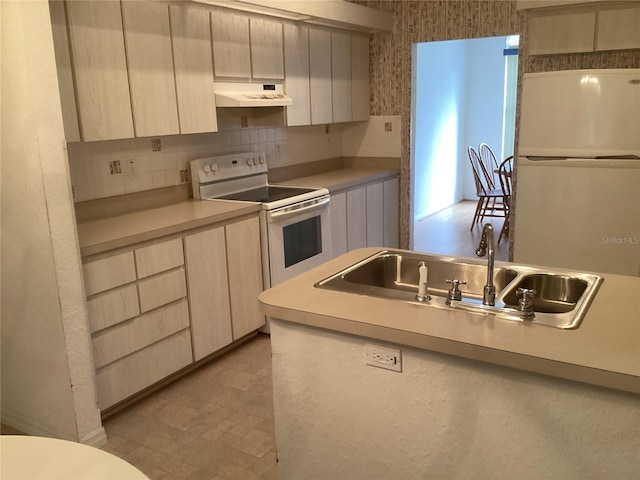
x=226, y=167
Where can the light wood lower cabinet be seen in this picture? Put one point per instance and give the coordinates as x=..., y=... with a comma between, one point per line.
x=128, y=376
x=365, y=216
x=206, y=260
x=224, y=271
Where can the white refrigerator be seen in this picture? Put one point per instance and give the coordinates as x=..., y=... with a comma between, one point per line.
x=577, y=196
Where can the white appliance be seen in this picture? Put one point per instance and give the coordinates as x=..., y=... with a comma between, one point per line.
x=295, y=229
x=250, y=95
x=577, y=198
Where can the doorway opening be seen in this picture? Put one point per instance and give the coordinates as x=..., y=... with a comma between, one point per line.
x=463, y=94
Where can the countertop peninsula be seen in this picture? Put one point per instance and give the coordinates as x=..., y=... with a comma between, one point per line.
x=604, y=350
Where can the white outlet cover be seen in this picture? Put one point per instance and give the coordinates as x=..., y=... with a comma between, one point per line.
x=383, y=357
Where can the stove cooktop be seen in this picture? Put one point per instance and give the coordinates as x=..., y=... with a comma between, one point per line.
x=267, y=194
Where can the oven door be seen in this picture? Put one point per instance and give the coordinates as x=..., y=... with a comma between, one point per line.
x=299, y=238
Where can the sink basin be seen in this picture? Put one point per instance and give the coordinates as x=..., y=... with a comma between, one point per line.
x=561, y=299
x=395, y=275
x=554, y=293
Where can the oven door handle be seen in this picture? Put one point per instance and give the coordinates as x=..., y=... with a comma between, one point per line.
x=297, y=210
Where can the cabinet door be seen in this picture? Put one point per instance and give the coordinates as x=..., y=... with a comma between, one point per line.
x=100, y=67
x=230, y=38
x=562, y=33
x=191, y=40
x=391, y=213
x=341, y=76
x=206, y=263
x=618, y=29
x=360, y=107
x=266, y=49
x=357, y=218
x=153, y=88
x=320, y=76
x=375, y=213
x=296, y=75
x=245, y=275
x=338, y=214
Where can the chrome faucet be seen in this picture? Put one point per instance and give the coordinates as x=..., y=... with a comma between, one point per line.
x=489, y=293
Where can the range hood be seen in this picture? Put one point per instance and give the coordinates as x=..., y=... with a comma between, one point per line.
x=250, y=95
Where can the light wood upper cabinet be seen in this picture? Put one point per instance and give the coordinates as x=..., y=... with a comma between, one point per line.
x=618, y=29
x=99, y=63
x=562, y=33
x=320, y=76
x=150, y=60
x=341, y=76
x=296, y=79
x=360, y=106
x=245, y=275
x=230, y=39
x=267, y=60
x=192, y=57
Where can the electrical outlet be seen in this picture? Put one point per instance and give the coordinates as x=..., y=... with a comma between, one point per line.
x=388, y=127
x=383, y=357
x=156, y=145
x=184, y=176
x=115, y=168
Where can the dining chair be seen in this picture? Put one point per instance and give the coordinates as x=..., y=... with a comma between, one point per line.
x=505, y=176
x=489, y=163
x=490, y=200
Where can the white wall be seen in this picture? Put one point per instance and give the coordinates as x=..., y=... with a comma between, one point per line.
x=438, y=126
x=459, y=97
x=48, y=385
x=442, y=417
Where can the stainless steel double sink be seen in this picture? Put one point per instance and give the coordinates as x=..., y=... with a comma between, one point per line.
x=561, y=298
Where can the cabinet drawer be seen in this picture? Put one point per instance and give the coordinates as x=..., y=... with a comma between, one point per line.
x=132, y=374
x=112, y=307
x=159, y=257
x=157, y=291
x=140, y=332
x=109, y=272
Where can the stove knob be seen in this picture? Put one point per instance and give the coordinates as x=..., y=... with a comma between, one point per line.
x=207, y=168
x=249, y=161
x=214, y=168
x=261, y=160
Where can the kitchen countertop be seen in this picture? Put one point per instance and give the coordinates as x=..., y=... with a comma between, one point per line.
x=343, y=178
x=604, y=350
x=106, y=234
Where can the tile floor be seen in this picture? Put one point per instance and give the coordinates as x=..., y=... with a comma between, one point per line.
x=215, y=423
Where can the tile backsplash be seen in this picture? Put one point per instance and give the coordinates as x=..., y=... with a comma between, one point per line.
x=143, y=167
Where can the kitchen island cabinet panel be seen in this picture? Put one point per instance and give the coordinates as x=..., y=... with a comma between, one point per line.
x=112, y=307
x=131, y=336
x=192, y=56
x=320, y=76
x=245, y=275
x=119, y=380
x=100, y=68
x=570, y=32
x=341, y=76
x=205, y=256
x=159, y=257
x=296, y=80
x=150, y=61
x=231, y=51
x=162, y=289
x=108, y=272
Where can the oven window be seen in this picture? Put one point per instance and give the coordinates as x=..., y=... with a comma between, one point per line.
x=302, y=240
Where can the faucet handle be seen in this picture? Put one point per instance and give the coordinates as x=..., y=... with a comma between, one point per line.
x=455, y=293
x=525, y=304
